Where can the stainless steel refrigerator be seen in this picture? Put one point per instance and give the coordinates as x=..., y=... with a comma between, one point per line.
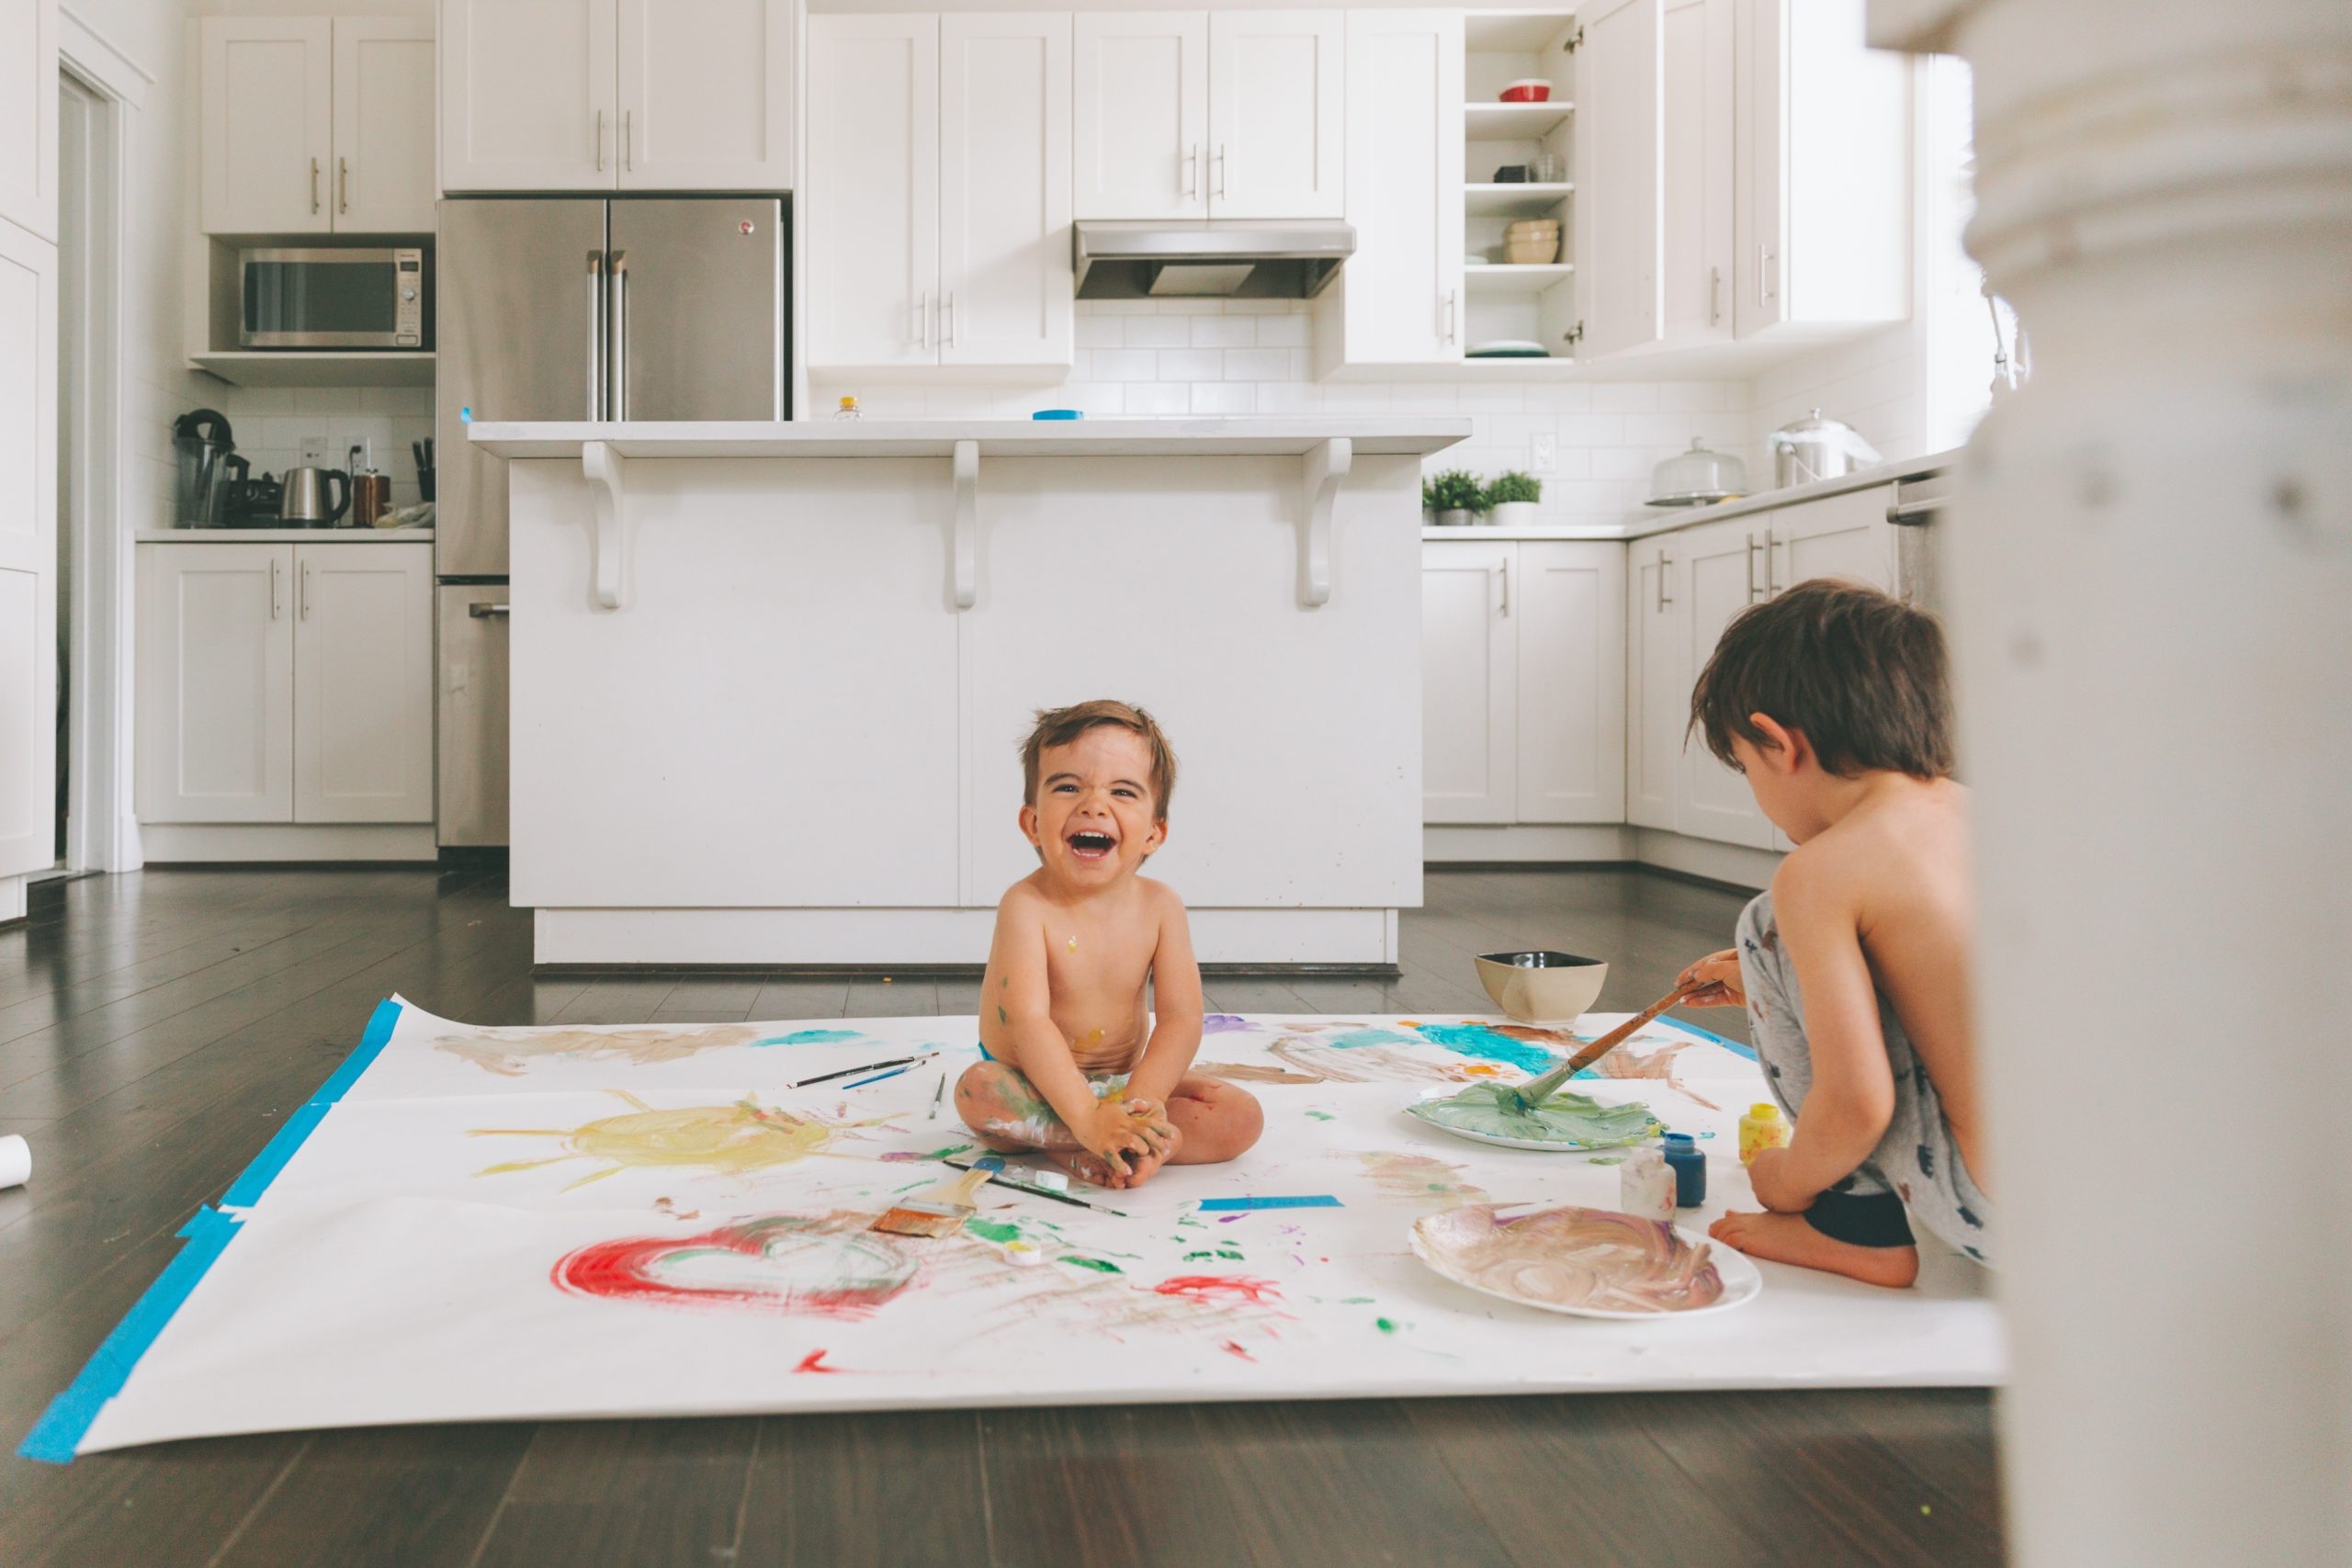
x=564, y=308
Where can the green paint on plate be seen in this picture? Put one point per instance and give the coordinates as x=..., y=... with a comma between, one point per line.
x=1097, y=1264
x=1569, y=1121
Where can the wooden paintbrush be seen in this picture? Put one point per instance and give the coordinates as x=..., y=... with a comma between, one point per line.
x=940, y=1211
x=1535, y=1091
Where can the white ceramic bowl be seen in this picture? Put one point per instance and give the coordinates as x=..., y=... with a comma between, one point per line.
x=1541, y=987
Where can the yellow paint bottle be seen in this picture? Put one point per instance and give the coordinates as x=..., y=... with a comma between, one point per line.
x=1763, y=1128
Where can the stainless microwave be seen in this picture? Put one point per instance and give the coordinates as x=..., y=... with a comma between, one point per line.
x=336, y=298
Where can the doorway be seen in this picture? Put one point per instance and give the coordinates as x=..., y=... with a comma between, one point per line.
x=79, y=115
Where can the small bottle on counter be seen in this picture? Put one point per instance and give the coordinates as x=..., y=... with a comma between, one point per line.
x=1645, y=1186
x=1763, y=1128
x=1689, y=1169
x=848, y=409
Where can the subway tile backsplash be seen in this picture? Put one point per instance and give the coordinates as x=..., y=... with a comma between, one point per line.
x=1196, y=357
x=271, y=422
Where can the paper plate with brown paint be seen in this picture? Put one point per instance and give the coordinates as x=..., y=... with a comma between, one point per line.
x=1585, y=1263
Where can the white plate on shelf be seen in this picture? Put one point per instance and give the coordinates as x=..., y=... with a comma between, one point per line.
x=1507, y=347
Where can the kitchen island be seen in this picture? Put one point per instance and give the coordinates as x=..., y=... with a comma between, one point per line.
x=769, y=680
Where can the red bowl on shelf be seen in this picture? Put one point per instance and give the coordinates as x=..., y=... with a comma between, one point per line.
x=1528, y=90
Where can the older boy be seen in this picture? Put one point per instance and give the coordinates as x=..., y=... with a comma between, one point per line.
x=1832, y=700
x=1078, y=1065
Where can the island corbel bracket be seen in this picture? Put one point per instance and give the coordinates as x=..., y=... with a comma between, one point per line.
x=608, y=493
x=967, y=523
x=1325, y=465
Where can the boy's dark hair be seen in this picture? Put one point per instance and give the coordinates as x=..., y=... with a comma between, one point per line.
x=1059, y=727
x=1862, y=674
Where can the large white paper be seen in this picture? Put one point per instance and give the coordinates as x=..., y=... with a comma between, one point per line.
x=515, y=1224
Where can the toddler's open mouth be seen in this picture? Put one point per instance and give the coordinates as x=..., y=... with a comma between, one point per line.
x=1092, y=845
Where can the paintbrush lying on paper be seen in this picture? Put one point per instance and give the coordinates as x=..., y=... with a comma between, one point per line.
x=861, y=1067
x=942, y=1211
x=1022, y=1182
x=1535, y=1091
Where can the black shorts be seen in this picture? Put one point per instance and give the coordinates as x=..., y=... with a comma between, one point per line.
x=1866, y=1219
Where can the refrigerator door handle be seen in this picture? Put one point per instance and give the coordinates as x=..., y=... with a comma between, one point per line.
x=616, y=372
x=595, y=335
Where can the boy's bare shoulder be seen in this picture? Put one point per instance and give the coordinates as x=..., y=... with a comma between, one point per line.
x=1161, y=899
x=1023, y=898
x=1891, y=840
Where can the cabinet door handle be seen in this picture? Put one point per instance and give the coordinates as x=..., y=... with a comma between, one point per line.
x=1192, y=171
x=1665, y=575
x=947, y=322
x=274, y=611
x=304, y=591
x=1714, y=296
x=483, y=611
x=342, y=185
x=1507, y=560
x=595, y=335
x=314, y=185
x=1772, y=583
x=1224, y=168
x=617, y=340
x=922, y=334
x=1452, y=315
x=599, y=141
x=629, y=139
x=1754, y=592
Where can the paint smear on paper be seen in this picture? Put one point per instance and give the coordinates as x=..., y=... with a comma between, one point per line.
x=1211, y=1289
x=804, y=1265
x=733, y=1139
x=1596, y=1258
x=1375, y=1064
x=1252, y=1072
x=1224, y=1023
x=906, y=1157
x=813, y=1036
x=1488, y=1042
x=814, y=1361
x=1571, y=1120
x=1097, y=1264
x=508, y=1051
x=1232, y=1348
x=1421, y=1177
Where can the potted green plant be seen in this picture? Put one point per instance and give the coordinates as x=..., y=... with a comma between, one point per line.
x=1454, y=495
x=1511, y=498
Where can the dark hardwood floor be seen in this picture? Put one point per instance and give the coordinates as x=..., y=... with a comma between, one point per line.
x=155, y=1028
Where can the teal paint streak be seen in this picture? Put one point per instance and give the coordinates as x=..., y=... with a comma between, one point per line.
x=812, y=1037
x=1477, y=1040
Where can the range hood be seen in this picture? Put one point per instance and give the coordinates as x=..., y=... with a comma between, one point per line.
x=1215, y=260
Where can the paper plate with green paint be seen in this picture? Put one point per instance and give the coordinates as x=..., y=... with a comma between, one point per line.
x=1568, y=1123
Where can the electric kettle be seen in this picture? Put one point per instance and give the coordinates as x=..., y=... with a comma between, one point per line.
x=305, y=502
x=1813, y=449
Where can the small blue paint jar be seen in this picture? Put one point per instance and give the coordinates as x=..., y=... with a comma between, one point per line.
x=1690, y=1168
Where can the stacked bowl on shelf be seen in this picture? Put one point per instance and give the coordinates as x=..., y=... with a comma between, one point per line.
x=1531, y=242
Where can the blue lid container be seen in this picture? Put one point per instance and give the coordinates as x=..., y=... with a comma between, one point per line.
x=1059, y=413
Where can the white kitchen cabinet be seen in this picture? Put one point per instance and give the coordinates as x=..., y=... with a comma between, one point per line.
x=1697, y=115
x=1522, y=681
x=1277, y=123
x=872, y=195
x=1839, y=535
x=1469, y=682
x=215, y=682
x=29, y=115
x=1723, y=566
x=1229, y=114
x=312, y=126
x=1620, y=231
x=28, y=551
x=285, y=683
x=383, y=126
x=362, y=683
x=530, y=95
x=1823, y=173
x=939, y=191
x=1570, y=618
x=1398, y=301
x=1004, y=191
x=706, y=95
x=1658, y=688
x=1141, y=119
x=267, y=137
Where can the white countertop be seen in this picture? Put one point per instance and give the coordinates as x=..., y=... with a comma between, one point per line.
x=283, y=537
x=1767, y=500
x=1372, y=436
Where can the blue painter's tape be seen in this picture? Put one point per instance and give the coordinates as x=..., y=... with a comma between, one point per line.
x=61, y=1426
x=1320, y=1200
x=246, y=1191
x=1734, y=1047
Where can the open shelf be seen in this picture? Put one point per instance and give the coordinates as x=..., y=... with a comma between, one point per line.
x=1515, y=122
x=317, y=367
x=1521, y=200
x=1515, y=279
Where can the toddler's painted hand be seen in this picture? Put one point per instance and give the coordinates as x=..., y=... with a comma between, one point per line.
x=1110, y=1134
x=1719, y=974
x=1151, y=1119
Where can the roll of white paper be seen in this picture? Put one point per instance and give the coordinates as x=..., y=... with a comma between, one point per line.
x=15, y=1161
